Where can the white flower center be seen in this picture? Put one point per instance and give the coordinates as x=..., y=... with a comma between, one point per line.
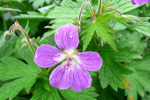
x=71, y=62
x=71, y=59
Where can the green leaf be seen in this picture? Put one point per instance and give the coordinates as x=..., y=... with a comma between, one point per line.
x=46, y=9
x=39, y=3
x=7, y=48
x=22, y=75
x=121, y=5
x=140, y=79
x=101, y=29
x=113, y=72
x=41, y=93
x=141, y=27
x=64, y=14
x=110, y=94
x=30, y=15
x=20, y=98
x=34, y=20
x=88, y=34
x=9, y=9
x=130, y=46
x=68, y=13
x=86, y=94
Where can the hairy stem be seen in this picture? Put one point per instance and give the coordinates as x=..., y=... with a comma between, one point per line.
x=33, y=42
x=99, y=7
x=116, y=11
x=80, y=13
x=16, y=25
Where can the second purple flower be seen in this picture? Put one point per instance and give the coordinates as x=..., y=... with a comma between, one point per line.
x=73, y=71
x=139, y=2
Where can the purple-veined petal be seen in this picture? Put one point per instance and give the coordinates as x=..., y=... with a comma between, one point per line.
x=61, y=77
x=145, y=1
x=47, y=56
x=67, y=37
x=132, y=1
x=81, y=79
x=90, y=60
x=139, y=2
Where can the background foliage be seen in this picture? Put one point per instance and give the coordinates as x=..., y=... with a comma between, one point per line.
x=122, y=42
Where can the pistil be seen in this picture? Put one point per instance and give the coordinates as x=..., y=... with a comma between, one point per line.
x=68, y=62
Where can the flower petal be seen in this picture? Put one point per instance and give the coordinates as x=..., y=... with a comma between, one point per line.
x=145, y=1
x=132, y=1
x=67, y=37
x=139, y=2
x=90, y=60
x=81, y=79
x=45, y=54
x=61, y=77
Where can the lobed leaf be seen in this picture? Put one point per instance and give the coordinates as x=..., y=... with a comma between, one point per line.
x=22, y=75
x=64, y=14
x=140, y=78
x=86, y=94
x=101, y=29
x=113, y=71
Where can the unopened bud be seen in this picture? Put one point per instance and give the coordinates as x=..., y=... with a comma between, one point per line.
x=7, y=36
x=24, y=40
x=17, y=32
x=24, y=45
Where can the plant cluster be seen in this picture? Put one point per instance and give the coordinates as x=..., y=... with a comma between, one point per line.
x=108, y=40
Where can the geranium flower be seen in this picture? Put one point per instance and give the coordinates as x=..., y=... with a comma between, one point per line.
x=139, y=2
x=73, y=71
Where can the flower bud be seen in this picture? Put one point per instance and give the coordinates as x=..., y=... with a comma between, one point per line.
x=24, y=46
x=17, y=32
x=7, y=36
x=24, y=40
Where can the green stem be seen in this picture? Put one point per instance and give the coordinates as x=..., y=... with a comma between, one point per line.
x=90, y=7
x=33, y=42
x=48, y=70
x=4, y=22
x=31, y=47
x=24, y=32
x=99, y=7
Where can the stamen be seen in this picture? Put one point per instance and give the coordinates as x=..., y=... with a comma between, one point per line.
x=68, y=62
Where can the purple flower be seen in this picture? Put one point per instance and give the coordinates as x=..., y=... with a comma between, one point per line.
x=139, y=2
x=73, y=71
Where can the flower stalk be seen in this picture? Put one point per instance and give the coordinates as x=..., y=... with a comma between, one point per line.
x=116, y=10
x=80, y=13
x=125, y=16
x=48, y=70
x=16, y=25
x=99, y=7
x=33, y=42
